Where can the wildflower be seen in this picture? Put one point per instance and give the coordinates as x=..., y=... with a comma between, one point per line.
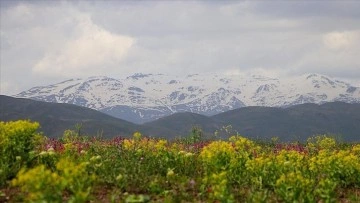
x=48, y=146
x=356, y=149
x=160, y=145
x=189, y=154
x=170, y=172
x=137, y=135
x=95, y=158
x=119, y=177
x=128, y=144
x=217, y=155
x=192, y=182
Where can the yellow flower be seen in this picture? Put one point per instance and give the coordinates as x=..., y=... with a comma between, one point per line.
x=217, y=156
x=39, y=183
x=95, y=158
x=160, y=145
x=119, y=177
x=128, y=144
x=216, y=148
x=137, y=135
x=356, y=150
x=219, y=186
x=170, y=172
x=242, y=143
x=189, y=154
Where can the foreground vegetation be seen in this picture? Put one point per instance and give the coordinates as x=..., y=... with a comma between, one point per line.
x=76, y=168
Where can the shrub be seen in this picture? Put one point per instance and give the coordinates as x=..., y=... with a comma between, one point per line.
x=42, y=185
x=17, y=142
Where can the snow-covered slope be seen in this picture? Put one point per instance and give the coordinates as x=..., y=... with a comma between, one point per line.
x=144, y=97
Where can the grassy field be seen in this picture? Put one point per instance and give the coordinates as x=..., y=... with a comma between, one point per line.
x=76, y=168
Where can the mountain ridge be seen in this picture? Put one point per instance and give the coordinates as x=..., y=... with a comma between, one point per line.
x=141, y=98
x=55, y=118
x=295, y=123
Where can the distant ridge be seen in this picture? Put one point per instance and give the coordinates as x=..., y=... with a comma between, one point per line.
x=295, y=123
x=142, y=98
x=183, y=122
x=56, y=118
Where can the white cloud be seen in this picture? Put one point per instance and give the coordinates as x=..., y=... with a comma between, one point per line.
x=8, y=89
x=4, y=87
x=272, y=73
x=20, y=14
x=340, y=40
x=93, y=51
x=43, y=42
x=333, y=53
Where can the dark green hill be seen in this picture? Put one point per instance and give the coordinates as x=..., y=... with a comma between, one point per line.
x=289, y=124
x=296, y=122
x=55, y=118
x=182, y=123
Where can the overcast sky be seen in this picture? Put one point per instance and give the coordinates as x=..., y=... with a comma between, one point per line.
x=44, y=42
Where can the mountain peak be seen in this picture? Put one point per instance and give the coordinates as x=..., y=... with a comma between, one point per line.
x=137, y=76
x=145, y=97
x=311, y=75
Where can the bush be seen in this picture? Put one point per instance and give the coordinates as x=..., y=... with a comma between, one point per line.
x=42, y=185
x=17, y=142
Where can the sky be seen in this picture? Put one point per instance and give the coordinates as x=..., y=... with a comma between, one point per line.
x=45, y=42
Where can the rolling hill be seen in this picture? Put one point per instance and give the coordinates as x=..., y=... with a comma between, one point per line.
x=183, y=122
x=56, y=118
x=295, y=123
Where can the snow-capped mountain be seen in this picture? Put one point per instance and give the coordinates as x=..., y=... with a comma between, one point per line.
x=145, y=97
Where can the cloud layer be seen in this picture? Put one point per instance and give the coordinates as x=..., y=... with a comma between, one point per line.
x=93, y=50
x=49, y=41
